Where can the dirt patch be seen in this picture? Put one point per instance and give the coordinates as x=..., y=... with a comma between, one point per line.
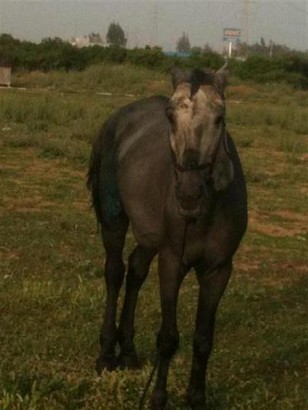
x=158, y=87
x=11, y=254
x=292, y=216
x=274, y=230
x=33, y=204
x=247, y=265
x=82, y=205
x=263, y=224
x=9, y=167
x=28, y=163
x=286, y=273
x=32, y=176
x=293, y=266
x=39, y=204
x=52, y=169
x=240, y=91
x=276, y=274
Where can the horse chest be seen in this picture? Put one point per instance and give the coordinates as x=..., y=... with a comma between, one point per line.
x=209, y=245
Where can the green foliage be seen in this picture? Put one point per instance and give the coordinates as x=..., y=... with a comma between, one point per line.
x=291, y=69
x=147, y=57
x=271, y=49
x=7, y=46
x=56, y=54
x=115, y=35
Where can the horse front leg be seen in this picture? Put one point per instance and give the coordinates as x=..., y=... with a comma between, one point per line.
x=171, y=276
x=210, y=291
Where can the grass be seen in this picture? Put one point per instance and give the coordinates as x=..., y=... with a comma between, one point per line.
x=115, y=79
x=51, y=258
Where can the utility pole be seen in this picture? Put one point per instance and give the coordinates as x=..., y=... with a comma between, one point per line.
x=154, y=39
x=1, y=28
x=271, y=48
x=246, y=21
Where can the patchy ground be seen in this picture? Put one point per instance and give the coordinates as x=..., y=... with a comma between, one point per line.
x=51, y=287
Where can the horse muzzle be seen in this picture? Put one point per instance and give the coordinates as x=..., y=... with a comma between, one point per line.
x=190, y=198
x=191, y=213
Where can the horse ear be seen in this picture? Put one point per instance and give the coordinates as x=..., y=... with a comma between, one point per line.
x=222, y=76
x=223, y=171
x=178, y=76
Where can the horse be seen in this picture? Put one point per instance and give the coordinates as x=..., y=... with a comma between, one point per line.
x=168, y=168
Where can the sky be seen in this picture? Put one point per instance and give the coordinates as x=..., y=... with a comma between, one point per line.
x=159, y=22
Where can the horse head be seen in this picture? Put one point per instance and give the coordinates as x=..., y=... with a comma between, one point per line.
x=198, y=138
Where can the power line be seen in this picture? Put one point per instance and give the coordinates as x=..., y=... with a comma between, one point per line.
x=154, y=34
x=246, y=21
x=294, y=7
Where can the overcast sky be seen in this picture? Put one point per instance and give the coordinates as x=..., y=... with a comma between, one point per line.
x=157, y=22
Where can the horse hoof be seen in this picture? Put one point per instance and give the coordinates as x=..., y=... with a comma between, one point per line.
x=159, y=400
x=128, y=361
x=103, y=363
x=197, y=401
x=199, y=407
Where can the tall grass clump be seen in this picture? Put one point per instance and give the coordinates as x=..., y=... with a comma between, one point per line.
x=289, y=118
x=51, y=109
x=110, y=78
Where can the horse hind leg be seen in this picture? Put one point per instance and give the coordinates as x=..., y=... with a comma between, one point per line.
x=138, y=268
x=113, y=240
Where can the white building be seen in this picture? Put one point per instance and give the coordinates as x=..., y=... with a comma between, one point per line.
x=87, y=41
x=5, y=76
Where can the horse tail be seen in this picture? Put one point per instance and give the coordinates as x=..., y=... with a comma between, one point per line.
x=101, y=177
x=93, y=179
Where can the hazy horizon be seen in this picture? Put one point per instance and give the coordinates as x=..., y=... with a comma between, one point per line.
x=157, y=22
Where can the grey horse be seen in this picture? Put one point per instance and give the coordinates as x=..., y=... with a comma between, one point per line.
x=168, y=167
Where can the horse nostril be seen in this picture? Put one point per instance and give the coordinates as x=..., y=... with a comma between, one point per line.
x=193, y=165
x=190, y=159
x=200, y=191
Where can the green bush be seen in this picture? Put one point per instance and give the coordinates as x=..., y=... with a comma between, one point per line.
x=147, y=57
x=291, y=69
x=56, y=54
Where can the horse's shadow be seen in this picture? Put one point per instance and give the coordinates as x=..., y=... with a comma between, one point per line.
x=217, y=399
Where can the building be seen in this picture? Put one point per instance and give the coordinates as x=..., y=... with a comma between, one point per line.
x=5, y=76
x=89, y=40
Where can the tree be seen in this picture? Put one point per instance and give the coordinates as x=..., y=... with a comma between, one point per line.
x=196, y=50
x=95, y=38
x=8, y=49
x=262, y=42
x=183, y=44
x=115, y=35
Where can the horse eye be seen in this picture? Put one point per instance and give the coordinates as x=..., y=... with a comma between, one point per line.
x=170, y=114
x=219, y=120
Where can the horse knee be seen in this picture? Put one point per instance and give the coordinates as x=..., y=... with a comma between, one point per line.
x=138, y=267
x=167, y=343
x=159, y=400
x=114, y=272
x=202, y=346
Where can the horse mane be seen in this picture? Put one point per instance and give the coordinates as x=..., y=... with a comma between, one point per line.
x=200, y=77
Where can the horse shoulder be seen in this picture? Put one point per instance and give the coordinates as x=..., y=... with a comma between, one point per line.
x=142, y=165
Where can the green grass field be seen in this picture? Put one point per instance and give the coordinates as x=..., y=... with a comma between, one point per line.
x=51, y=287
